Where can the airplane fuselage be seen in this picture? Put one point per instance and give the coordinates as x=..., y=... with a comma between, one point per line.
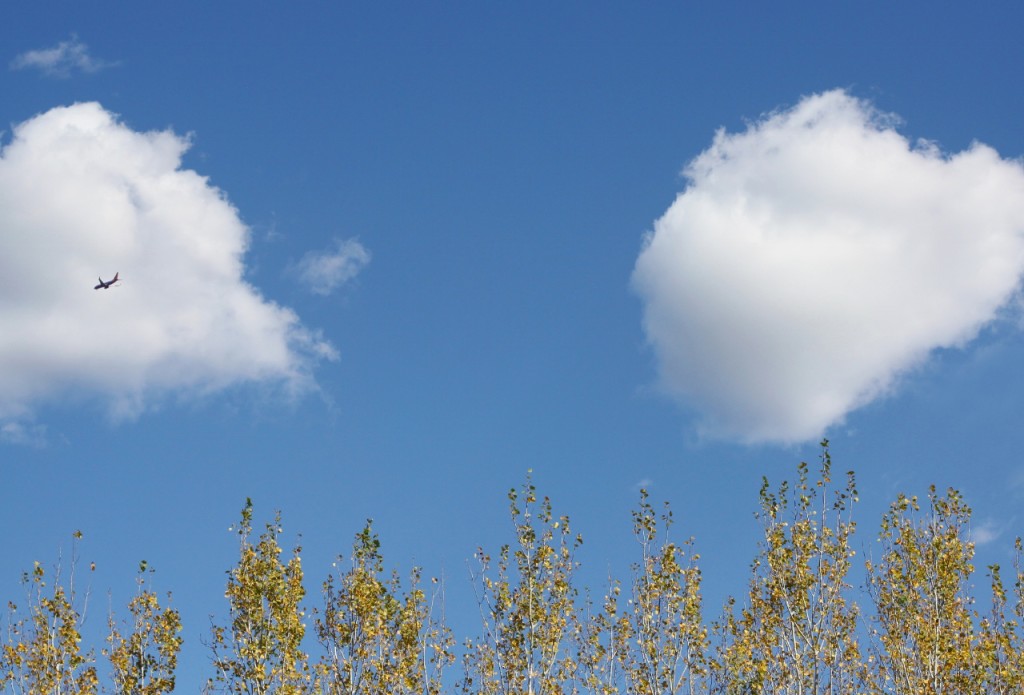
x=106, y=285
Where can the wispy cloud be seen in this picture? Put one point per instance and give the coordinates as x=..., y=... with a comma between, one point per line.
x=61, y=60
x=818, y=256
x=82, y=195
x=322, y=272
x=1016, y=481
x=23, y=434
x=986, y=532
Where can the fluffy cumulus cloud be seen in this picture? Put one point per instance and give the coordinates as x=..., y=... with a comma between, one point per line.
x=82, y=195
x=325, y=271
x=815, y=258
x=60, y=60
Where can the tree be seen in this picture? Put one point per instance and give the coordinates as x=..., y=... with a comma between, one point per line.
x=260, y=650
x=527, y=607
x=603, y=644
x=797, y=635
x=658, y=644
x=1001, y=642
x=923, y=622
x=377, y=640
x=670, y=641
x=43, y=652
x=143, y=661
x=380, y=633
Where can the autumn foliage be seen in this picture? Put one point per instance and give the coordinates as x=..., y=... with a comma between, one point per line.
x=816, y=618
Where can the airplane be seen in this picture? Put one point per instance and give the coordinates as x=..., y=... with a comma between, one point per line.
x=106, y=285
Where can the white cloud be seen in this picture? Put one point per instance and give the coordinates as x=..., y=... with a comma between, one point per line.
x=643, y=484
x=325, y=271
x=60, y=60
x=23, y=434
x=82, y=195
x=986, y=532
x=818, y=256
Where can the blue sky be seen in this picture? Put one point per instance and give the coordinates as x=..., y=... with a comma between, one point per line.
x=378, y=261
